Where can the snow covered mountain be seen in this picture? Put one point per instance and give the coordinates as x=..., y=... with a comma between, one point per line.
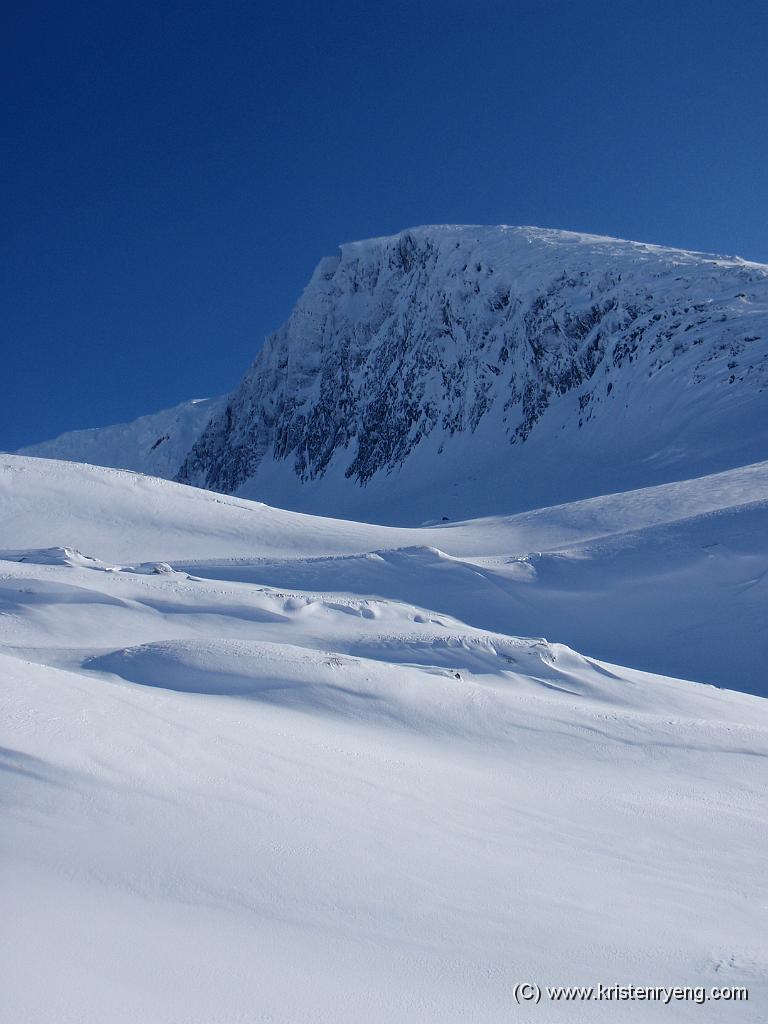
x=461, y=371
x=156, y=444
x=255, y=761
x=312, y=768
x=470, y=370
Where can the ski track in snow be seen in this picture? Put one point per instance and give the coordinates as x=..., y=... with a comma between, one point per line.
x=262, y=766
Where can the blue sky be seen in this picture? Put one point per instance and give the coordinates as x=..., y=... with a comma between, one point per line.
x=172, y=172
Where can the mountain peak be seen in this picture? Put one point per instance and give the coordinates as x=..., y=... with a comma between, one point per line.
x=540, y=364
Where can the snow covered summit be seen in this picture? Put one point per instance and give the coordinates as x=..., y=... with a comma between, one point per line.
x=466, y=370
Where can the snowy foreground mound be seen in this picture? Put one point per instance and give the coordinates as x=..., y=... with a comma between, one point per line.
x=261, y=766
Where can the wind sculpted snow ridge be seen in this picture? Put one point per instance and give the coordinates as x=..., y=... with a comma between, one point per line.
x=548, y=361
x=670, y=578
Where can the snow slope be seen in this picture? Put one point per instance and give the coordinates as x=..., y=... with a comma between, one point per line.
x=462, y=370
x=670, y=579
x=688, y=598
x=299, y=776
x=154, y=444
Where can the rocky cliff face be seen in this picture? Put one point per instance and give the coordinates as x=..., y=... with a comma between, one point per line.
x=516, y=336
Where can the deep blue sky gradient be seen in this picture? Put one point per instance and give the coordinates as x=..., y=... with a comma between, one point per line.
x=171, y=173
